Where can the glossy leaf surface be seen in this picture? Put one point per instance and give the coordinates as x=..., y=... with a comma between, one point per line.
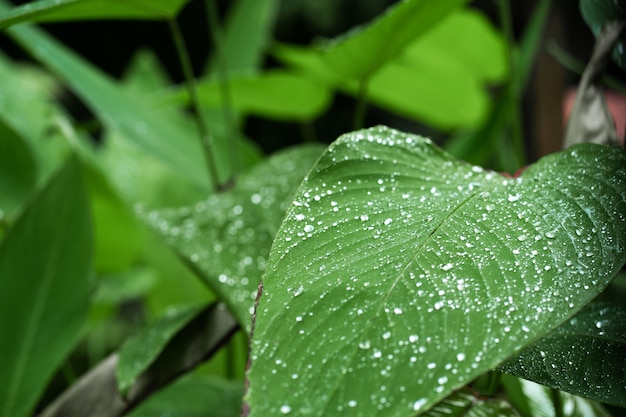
x=45, y=261
x=464, y=403
x=227, y=237
x=400, y=274
x=584, y=356
x=67, y=10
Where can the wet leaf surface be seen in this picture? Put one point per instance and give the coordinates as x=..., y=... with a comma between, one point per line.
x=400, y=274
x=227, y=237
x=584, y=356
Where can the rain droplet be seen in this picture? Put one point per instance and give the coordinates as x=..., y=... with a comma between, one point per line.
x=285, y=409
x=308, y=228
x=298, y=292
x=522, y=238
x=397, y=310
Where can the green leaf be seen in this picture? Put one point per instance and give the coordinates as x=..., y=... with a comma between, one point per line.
x=18, y=170
x=597, y=13
x=464, y=403
x=275, y=94
x=96, y=393
x=363, y=51
x=118, y=109
x=534, y=400
x=141, y=350
x=584, y=356
x=400, y=274
x=45, y=262
x=68, y=10
x=227, y=237
x=118, y=238
x=248, y=29
x=194, y=396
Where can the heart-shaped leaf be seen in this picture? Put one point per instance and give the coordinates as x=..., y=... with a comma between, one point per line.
x=227, y=237
x=400, y=274
x=584, y=356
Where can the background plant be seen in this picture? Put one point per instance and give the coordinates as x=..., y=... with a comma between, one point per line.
x=158, y=232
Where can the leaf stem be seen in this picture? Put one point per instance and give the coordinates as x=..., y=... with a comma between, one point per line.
x=203, y=130
x=222, y=70
x=361, y=105
x=557, y=402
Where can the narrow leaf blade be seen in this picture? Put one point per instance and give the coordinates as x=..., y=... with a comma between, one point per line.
x=45, y=262
x=69, y=10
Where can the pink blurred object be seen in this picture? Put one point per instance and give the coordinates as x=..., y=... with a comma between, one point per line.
x=616, y=103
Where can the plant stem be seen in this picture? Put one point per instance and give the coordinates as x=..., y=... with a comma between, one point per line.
x=557, y=402
x=307, y=130
x=361, y=105
x=517, y=134
x=203, y=130
x=217, y=36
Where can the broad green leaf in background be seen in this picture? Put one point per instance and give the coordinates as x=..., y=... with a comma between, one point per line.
x=534, y=400
x=194, y=396
x=18, y=170
x=45, y=262
x=401, y=274
x=597, y=13
x=584, y=356
x=465, y=403
x=227, y=237
x=446, y=68
x=275, y=94
x=363, y=51
x=116, y=108
x=140, y=351
x=67, y=10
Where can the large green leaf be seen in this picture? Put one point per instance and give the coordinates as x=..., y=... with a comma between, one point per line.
x=363, y=51
x=118, y=109
x=400, y=274
x=584, y=356
x=45, y=261
x=276, y=94
x=227, y=237
x=64, y=10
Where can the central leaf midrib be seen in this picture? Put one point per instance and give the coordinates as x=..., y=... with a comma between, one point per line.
x=370, y=321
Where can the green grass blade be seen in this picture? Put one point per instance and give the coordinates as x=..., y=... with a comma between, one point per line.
x=45, y=262
x=70, y=10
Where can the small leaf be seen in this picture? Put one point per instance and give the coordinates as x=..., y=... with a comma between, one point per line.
x=361, y=52
x=68, y=10
x=45, y=263
x=96, y=393
x=274, y=94
x=584, y=356
x=401, y=274
x=142, y=349
x=534, y=400
x=464, y=403
x=227, y=237
x=194, y=396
